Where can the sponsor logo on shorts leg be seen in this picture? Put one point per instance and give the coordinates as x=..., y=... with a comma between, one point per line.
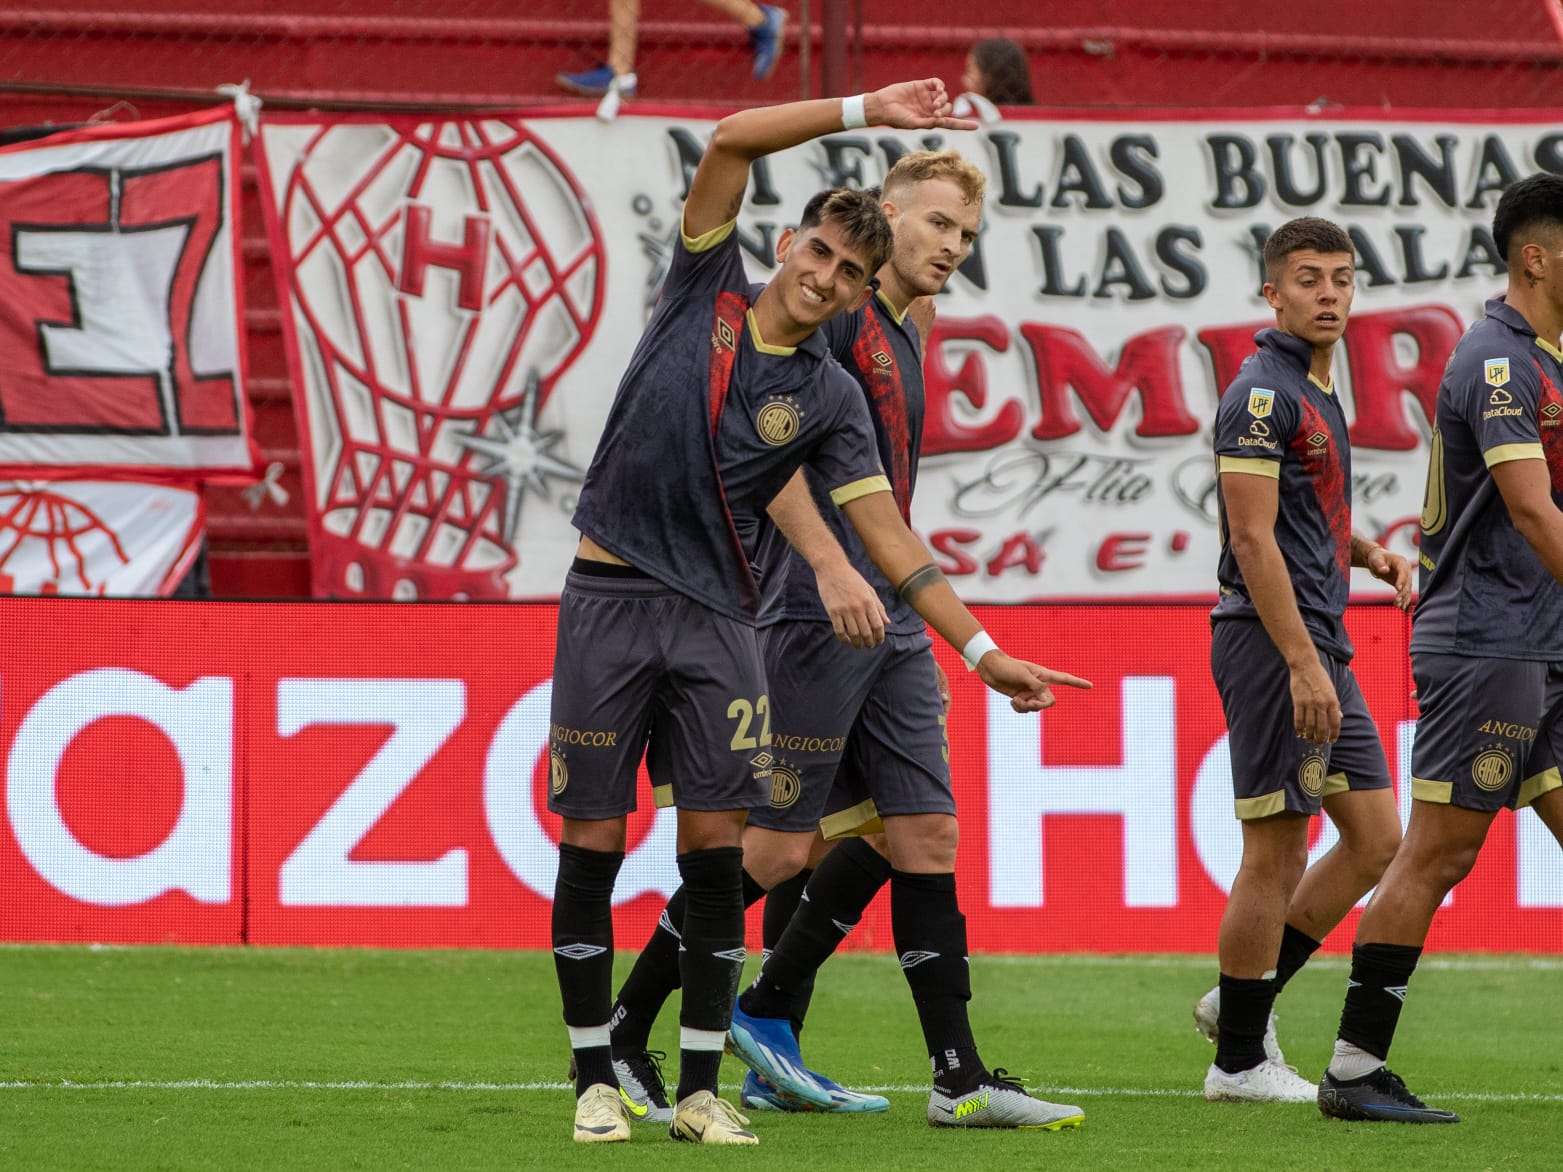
x=763, y=763
x=1310, y=774
x=558, y=771
x=799, y=744
x=593, y=738
x=786, y=786
x=1492, y=768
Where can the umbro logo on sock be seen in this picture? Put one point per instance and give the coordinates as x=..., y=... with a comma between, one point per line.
x=843, y=928
x=1350, y=984
x=666, y=924
x=1398, y=992
x=733, y=954
x=914, y=957
x=580, y=951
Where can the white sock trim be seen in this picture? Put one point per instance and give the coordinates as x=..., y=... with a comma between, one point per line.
x=586, y=1037
x=1351, y=1062
x=706, y=1040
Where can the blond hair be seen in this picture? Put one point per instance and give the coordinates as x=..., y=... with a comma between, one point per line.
x=921, y=166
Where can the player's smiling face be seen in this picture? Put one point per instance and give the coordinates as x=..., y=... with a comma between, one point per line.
x=1311, y=295
x=935, y=228
x=821, y=274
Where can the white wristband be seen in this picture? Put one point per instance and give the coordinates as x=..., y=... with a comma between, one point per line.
x=976, y=647
x=853, y=114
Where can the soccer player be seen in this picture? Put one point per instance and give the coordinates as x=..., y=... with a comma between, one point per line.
x=728, y=393
x=1299, y=730
x=871, y=721
x=1487, y=642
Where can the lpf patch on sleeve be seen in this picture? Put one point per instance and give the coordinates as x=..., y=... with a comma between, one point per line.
x=1496, y=371
x=1260, y=401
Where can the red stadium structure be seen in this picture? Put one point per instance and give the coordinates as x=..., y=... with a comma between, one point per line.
x=64, y=61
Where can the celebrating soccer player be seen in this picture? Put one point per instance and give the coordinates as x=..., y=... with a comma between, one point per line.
x=1300, y=733
x=1487, y=642
x=868, y=721
x=729, y=392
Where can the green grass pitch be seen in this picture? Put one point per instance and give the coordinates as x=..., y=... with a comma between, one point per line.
x=260, y=1058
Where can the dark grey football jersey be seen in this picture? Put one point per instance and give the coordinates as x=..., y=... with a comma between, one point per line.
x=708, y=424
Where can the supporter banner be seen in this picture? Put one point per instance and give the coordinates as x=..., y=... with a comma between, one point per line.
x=97, y=537
x=377, y=775
x=121, y=315
x=464, y=294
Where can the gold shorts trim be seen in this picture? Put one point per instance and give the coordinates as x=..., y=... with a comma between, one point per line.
x=662, y=795
x=1441, y=792
x=1262, y=806
x=862, y=818
x=1534, y=787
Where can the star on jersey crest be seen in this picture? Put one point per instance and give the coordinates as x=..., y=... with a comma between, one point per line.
x=519, y=456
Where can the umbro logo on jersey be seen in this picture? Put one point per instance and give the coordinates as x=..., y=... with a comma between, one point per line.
x=580, y=951
x=722, y=336
x=914, y=957
x=1318, y=439
x=883, y=360
x=1550, y=413
x=1398, y=992
x=1496, y=372
x=734, y=954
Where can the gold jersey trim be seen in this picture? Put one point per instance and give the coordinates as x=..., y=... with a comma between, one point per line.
x=1439, y=792
x=662, y=795
x=900, y=316
x=1261, y=807
x=1251, y=466
x=1336, y=783
x=707, y=240
x=1328, y=388
x=1503, y=453
x=1550, y=349
x=760, y=343
x=1534, y=787
x=868, y=486
x=862, y=818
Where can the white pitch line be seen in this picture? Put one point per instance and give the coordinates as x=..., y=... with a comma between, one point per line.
x=288, y=1084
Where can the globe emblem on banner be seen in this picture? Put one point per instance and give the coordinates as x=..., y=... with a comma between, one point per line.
x=446, y=274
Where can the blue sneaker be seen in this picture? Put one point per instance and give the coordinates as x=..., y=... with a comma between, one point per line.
x=766, y=41
x=759, y=1095
x=766, y=1046
x=593, y=83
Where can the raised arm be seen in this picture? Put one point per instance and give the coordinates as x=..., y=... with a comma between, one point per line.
x=906, y=562
x=717, y=191
x=1252, y=503
x=853, y=605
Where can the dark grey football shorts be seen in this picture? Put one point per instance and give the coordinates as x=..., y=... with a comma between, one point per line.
x=1274, y=769
x=641, y=669
x=1490, y=733
x=857, y=734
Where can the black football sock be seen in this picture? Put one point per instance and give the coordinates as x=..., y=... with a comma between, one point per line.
x=842, y=887
x=930, y=940
x=1245, y=1015
x=711, y=960
x=1296, y=948
x=781, y=902
x=652, y=980
x=1375, y=995
x=583, y=956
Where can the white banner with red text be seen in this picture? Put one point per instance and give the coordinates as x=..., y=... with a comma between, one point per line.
x=377, y=775
x=463, y=295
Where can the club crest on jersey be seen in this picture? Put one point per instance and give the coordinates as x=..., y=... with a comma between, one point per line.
x=1496, y=371
x=777, y=422
x=1492, y=768
x=1260, y=401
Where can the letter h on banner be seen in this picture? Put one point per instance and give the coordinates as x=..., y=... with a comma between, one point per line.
x=1142, y=791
